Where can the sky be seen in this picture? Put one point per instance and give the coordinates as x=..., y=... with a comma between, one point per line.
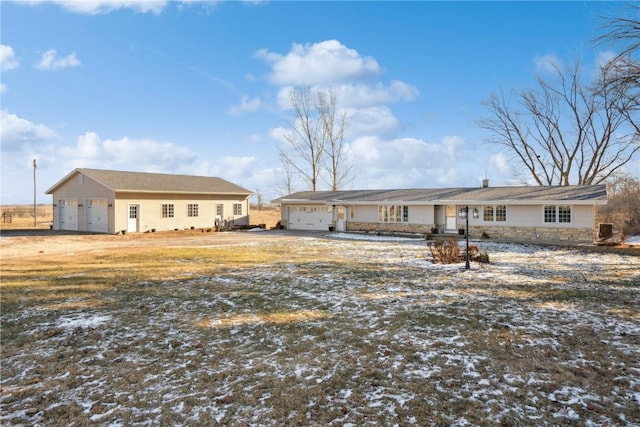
x=201, y=88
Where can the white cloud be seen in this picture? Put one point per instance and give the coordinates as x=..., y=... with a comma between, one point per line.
x=371, y=121
x=8, y=60
x=96, y=7
x=15, y=132
x=3, y=88
x=247, y=105
x=50, y=61
x=549, y=63
x=500, y=163
x=324, y=63
x=412, y=162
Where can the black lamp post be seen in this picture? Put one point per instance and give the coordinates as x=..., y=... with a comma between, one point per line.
x=466, y=211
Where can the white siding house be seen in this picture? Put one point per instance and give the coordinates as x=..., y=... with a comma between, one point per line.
x=522, y=213
x=106, y=201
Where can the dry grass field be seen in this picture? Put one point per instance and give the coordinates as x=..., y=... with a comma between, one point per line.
x=269, y=328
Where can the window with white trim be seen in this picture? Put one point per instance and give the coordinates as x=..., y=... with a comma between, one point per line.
x=237, y=209
x=393, y=213
x=487, y=213
x=501, y=213
x=167, y=210
x=192, y=209
x=561, y=213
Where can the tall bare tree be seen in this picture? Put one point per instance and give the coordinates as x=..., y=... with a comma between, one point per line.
x=306, y=139
x=315, y=148
x=622, y=73
x=564, y=131
x=337, y=164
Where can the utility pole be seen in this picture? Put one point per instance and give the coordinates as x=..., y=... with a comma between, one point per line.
x=35, y=209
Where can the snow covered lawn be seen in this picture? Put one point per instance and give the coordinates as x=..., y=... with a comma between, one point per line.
x=323, y=332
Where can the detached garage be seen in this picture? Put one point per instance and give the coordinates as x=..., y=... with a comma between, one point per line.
x=107, y=201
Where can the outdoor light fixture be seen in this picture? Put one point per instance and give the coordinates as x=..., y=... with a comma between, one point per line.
x=466, y=214
x=476, y=213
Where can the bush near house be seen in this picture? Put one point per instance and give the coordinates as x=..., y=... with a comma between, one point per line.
x=623, y=205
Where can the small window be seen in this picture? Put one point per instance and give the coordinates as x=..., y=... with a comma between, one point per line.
x=564, y=213
x=237, y=209
x=501, y=213
x=219, y=208
x=192, y=209
x=167, y=210
x=550, y=213
x=488, y=213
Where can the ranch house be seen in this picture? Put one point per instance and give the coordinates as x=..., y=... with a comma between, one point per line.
x=107, y=201
x=519, y=213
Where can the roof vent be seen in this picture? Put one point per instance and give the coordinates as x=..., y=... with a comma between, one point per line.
x=485, y=183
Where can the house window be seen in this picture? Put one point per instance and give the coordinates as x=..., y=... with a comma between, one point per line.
x=564, y=213
x=192, y=209
x=237, y=209
x=393, y=213
x=488, y=213
x=219, y=209
x=167, y=210
x=501, y=213
x=553, y=213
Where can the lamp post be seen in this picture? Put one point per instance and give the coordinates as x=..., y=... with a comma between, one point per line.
x=466, y=211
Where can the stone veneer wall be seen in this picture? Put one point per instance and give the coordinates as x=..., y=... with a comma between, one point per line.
x=389, y=227
x=520, y=234
x=534, y=234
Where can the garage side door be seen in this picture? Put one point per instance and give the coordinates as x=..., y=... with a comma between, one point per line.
x=97, y=217
x=309, y=218
x=68, y=214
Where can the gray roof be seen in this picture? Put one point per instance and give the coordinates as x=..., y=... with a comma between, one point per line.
x=143, y=182
x=576, y=194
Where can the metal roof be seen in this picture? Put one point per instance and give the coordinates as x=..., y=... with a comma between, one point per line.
x=576, y=194
x=143, y=182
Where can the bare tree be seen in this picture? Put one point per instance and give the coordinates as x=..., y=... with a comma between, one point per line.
x=306, y=141
x=315, y=148
x=289, y=173
x=622, y=73
x=564, y=132
x=338, y=166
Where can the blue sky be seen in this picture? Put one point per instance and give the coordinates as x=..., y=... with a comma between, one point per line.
x=201, y=87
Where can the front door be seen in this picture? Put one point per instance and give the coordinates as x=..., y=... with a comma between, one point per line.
x=450, y=219
x=340, y=218
x=133, y=223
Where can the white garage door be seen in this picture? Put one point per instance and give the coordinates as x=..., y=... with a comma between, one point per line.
x=309, y=218
x=97, y=217
x=68, y=214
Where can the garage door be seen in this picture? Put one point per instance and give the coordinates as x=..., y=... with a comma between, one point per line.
x=309, y=218
x=68, y=214
x=97, y=217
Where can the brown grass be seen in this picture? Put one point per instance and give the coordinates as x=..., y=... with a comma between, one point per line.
x=315, y=332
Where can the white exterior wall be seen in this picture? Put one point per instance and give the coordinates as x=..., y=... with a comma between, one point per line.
x=150, y=211
x=82, y=188
x=533, y=216
x=364, y=214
